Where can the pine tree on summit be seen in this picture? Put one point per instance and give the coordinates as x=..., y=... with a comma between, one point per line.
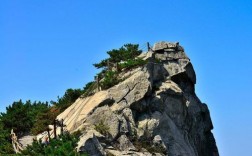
x=125, y=53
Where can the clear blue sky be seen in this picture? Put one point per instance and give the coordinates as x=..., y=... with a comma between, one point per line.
x=48, y=46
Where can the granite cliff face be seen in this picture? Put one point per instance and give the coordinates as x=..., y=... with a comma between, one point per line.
x=154, y=111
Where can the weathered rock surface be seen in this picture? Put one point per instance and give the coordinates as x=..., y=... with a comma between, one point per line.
x=155, y=111
x=75, y=115
x=26, y=140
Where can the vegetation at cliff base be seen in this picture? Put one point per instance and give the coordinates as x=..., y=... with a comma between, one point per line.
x=31, y=117
x=62, y=146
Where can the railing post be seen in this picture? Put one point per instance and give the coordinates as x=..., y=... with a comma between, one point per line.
x=48, y=132
x=108, y=64
x=148, y=46
x=117, y=67
x=97, y=82
x=61, y=127
x=54, y=128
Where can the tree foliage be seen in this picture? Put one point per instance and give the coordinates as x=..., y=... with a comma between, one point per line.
x=5, y=142
x=21, y=116
x=126, y=52
x=43, y=119
x=119, y=59
x=68, y=98
x=131, y=63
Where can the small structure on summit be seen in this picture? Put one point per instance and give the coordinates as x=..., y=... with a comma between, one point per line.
x=167, y=46
x=164, y=51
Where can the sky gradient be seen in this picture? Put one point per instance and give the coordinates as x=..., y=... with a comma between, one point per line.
x=47, y=47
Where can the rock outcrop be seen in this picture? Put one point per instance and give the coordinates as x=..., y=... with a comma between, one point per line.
x=154, y=111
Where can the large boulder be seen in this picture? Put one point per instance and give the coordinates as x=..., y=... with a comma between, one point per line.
x=90, y=144
x=108, y=121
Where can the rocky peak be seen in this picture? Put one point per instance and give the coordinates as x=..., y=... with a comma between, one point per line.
x=154, y=111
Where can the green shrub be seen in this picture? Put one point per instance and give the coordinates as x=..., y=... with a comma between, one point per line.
x=158, y=60
x=146, y=143
x=110, y=79
x=102, y=128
